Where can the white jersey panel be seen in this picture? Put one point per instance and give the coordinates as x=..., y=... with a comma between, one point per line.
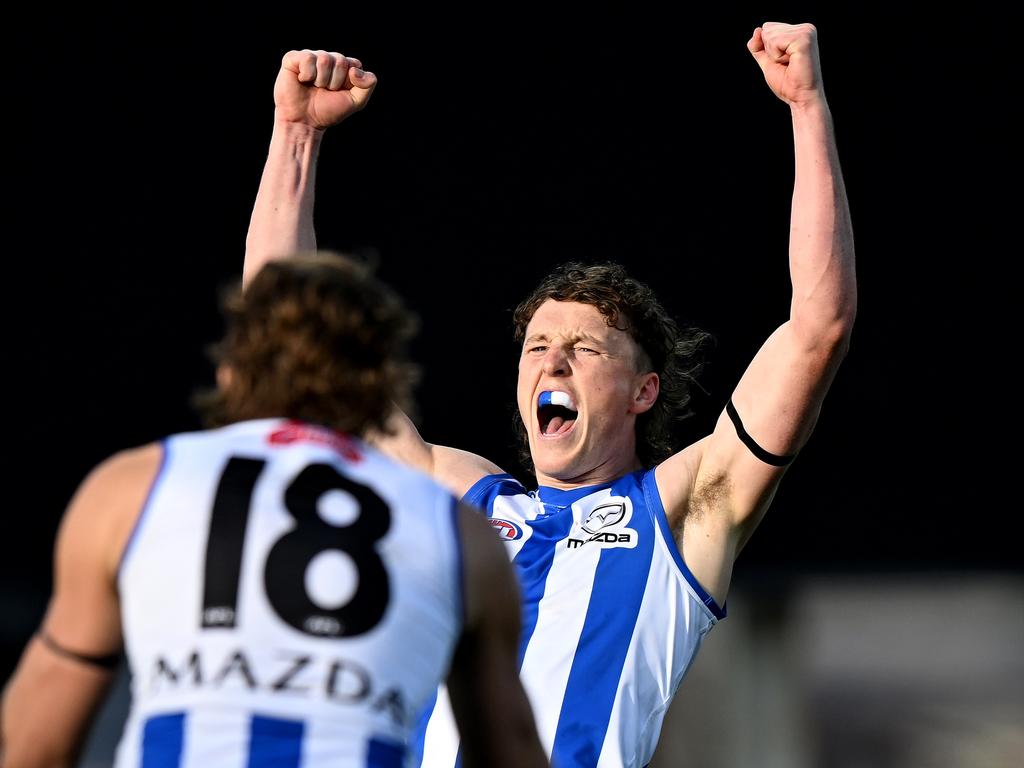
x=612, y=618
x=660, y=654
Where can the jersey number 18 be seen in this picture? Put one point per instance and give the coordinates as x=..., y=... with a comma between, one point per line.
x=285, y=568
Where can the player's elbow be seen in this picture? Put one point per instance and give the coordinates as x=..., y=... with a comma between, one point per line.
x=835, y=340
x=823, y=319
x=825, y=337
x=840, y=327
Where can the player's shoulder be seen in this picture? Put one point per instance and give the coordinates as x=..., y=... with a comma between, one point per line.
x=487, y=489
x=108, y=502
x=119, y=483
x=125, y=469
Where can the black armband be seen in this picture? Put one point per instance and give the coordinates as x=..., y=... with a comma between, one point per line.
x=105, y=662
x=768, y=458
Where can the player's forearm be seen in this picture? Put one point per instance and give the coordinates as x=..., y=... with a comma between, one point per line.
x=821, y=235
x=46, y=710
x=282, y=218
x=25, y=753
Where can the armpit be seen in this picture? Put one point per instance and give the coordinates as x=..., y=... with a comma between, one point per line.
x=711, y=497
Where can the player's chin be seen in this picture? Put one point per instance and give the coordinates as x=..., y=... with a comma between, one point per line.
x=557, y=447
x=553, y=459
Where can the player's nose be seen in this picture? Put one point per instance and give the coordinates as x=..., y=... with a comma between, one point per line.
x=556, y=363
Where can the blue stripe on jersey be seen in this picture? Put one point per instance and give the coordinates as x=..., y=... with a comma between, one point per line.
x=620, y=581
x=165, y=446
x=419, y=733
x=275, y=743
x=162, y=739
x=532, y=564
x=381, y=753
x=658, y=510
x=555, y=497
x=481, y=493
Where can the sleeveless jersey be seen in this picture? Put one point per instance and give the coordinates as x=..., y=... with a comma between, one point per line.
x=612, y=618
x=289, y=597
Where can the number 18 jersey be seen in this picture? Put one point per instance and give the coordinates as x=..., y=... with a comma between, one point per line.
x=289, y=597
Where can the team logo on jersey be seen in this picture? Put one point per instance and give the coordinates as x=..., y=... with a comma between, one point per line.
x=603, y=516
x=604, y=524
x=507, y=530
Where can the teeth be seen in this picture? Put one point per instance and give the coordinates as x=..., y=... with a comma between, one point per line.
x=554, y=397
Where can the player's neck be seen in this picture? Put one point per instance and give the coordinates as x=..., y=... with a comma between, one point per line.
x=602, y=474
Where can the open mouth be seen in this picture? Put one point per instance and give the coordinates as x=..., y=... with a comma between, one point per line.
x=556, y=413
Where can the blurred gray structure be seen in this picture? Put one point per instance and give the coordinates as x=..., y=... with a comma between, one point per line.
x=872, y=671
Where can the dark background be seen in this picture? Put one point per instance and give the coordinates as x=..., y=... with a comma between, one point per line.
x=499, y=142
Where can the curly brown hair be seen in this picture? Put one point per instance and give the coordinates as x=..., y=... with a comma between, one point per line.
x=314, y=337
x=674, y=353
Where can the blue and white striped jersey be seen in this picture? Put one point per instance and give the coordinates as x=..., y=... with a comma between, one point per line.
x=612, y=618
x=290, y=597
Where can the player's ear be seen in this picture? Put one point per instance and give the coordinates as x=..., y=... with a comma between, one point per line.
x=225, y=376
x=648, y=385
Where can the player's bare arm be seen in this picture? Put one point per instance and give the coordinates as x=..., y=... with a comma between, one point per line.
x=314, y=90
x=716, y=492
x=457, y=470
x=68, y=665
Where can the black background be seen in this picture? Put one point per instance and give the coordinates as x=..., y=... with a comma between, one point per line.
x=499, y=142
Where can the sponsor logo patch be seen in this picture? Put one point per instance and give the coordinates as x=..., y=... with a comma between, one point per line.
x=604, y=525
x=507, y=530
x=298, y=432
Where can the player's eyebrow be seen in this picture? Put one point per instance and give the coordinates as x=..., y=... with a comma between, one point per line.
x=571, y=338
x=584, y=336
